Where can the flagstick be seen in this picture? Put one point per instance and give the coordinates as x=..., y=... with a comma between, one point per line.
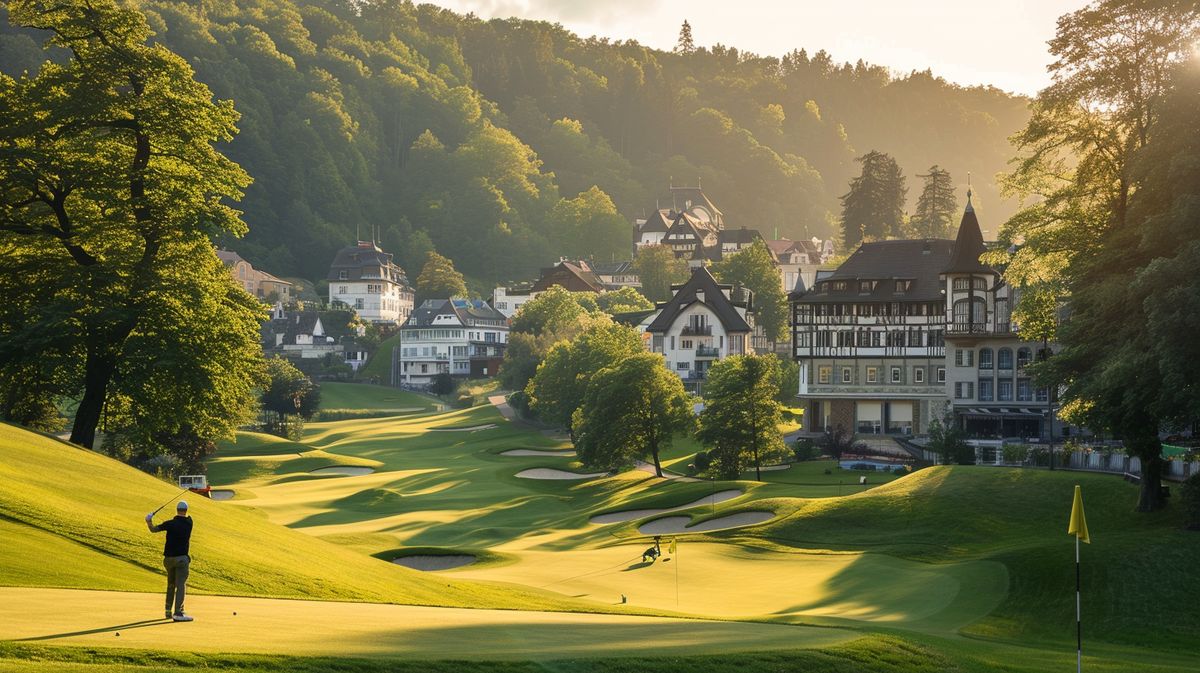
x=1079, y=628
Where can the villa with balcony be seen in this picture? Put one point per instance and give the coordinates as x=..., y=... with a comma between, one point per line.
x=460, y=337
x=703, y=322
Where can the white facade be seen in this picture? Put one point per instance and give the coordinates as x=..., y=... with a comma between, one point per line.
x=364, y=278
x=695, y=341
x=462, y=338
x=509, y=300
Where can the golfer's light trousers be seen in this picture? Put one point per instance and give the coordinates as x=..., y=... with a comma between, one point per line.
x=177, y=574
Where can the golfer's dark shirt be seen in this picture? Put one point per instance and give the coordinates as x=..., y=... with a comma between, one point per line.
x=179, y=534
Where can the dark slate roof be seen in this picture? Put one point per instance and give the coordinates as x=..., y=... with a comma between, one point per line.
x=613, y=268
x=301, y=322
x=918, y=260
x=696, y=195
x=968, y=246
x=741, y=236
x=714, y=298
x=469, y=312
x=660, y=220
x=574, y=276
x=633, y=318
x=365, y=255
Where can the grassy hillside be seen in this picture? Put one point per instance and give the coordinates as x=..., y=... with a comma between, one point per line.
x=61, y=502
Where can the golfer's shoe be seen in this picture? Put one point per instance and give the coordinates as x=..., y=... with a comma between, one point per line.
x=167, y=613
x=180, y=617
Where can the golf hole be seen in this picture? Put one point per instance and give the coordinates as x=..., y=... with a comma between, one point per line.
x=434, y=562
x=631, y=514
x=678, y=524
x=549, y=473
x=344, y=470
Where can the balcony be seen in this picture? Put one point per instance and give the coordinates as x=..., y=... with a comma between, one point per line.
x=708, y=352
x=965, y=328
x=697, y=330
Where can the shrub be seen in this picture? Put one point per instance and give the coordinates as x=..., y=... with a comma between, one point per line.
x=1190, y=499
x=442, y=384
x=703, y=461
x=465, y=400
x=805, y=449
x=1015, y=453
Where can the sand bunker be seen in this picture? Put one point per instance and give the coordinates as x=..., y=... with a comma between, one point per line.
x=631, y=514
x=472, y=428
x=771, y=468
x=535, y=452
x=430, y=562
x=678, y=524
x=344, y=470
x=221, y=494
x=547, y=473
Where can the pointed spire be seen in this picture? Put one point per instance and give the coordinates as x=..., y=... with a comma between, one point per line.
x=968, y=244
x=970, y=208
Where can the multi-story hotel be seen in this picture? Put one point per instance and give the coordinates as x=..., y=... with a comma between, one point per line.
x=904, y=327
x=459, y=337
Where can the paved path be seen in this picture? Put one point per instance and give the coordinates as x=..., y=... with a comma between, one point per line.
x=501, y=404
x=263, y=625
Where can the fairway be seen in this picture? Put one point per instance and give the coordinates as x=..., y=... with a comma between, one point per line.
x=267, y=626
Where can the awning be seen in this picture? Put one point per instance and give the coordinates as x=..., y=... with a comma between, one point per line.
x=900, y=412
x=870, y=411
x=1004, y=412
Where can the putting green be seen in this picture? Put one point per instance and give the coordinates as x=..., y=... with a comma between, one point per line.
x=732, y=581
x=272, y=626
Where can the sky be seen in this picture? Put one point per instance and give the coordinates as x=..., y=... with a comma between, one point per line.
x=964, y=41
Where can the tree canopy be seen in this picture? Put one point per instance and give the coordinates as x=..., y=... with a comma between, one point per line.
x=754, y=268
x=439, y=279
x=557, y=389
x=633, y=409
x=112, y=191
x=741, y=416
x=874, y=207
x=936, y=207
x=658, y=270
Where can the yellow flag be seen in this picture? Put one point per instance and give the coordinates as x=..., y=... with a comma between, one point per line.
x=1078, y=526
x=671, y=549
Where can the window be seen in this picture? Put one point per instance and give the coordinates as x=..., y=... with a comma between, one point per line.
x=1024, y=391
x=985, y=390
x=876, y=339
x=969, y=313
x=1024, y=355
x=1005, y=390
x=1004, y=359
x=964, y=391
x=847, y=374
x=681, y=366
x=941, y=374
x=958, y=391
x=685, y=344
x=864, y=286
x=985, y=358
x=840, y=285
x=1043, y=394
x=342, y=275
x=358, y=304
x=824, y=374
x=1002, y=315
x=896, y=378
x=903, y=285
x=872, y=375
x=918, y=375
x=964, y=357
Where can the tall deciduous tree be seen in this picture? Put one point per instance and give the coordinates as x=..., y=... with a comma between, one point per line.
x=754, y=268
x=623, y=300
x=288, y=399
x=112, y=188
x=557, y=389
x=439, y=279
x=658, y=269
x=1130, y=356
x=553, y=316
x=1076, y=168
x=631, y=410
x=934, y=216
x=874, y=206
x=741, y=416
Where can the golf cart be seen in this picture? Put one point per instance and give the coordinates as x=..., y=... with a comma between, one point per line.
x=196, y=483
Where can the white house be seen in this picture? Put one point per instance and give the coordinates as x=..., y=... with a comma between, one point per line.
x=702, y=322
x=460, y=337
x=366, y=279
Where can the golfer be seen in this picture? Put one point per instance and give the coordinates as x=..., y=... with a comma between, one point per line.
x=175, y=557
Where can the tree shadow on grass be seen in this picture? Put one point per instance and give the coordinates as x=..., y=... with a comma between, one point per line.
x=103, y=629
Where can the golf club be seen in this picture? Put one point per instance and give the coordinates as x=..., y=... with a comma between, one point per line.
x=186, y=490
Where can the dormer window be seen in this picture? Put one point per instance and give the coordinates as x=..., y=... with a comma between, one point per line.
x=903, y=285
x=342, y=275
x=865, y=286
x=839, y=285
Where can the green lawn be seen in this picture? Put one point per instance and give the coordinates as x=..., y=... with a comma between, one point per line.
x=947, y=568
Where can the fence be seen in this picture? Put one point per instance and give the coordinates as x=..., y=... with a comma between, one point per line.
x=995, y=452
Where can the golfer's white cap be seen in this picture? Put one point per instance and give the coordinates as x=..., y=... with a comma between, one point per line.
x=182, y=506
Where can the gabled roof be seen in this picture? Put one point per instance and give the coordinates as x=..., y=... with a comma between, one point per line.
x=917, y=260
x=741, y=236
x=968, y=246
x=714, y=298
x=681, y=195
x=613, y=269
x=686, y=224
x=300, y=323
x=659, y=220
x=229, y=257
x=573, y=276
x=467, y=312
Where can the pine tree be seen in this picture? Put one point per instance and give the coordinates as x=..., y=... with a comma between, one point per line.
x=936, y=206
x=874, y=206
x=685, y=45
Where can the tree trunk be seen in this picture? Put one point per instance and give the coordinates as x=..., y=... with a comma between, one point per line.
x=1149, y=450
x=654, y=454
x=98, y=371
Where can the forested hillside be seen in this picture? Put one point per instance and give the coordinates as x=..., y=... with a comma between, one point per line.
x=484, y=139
